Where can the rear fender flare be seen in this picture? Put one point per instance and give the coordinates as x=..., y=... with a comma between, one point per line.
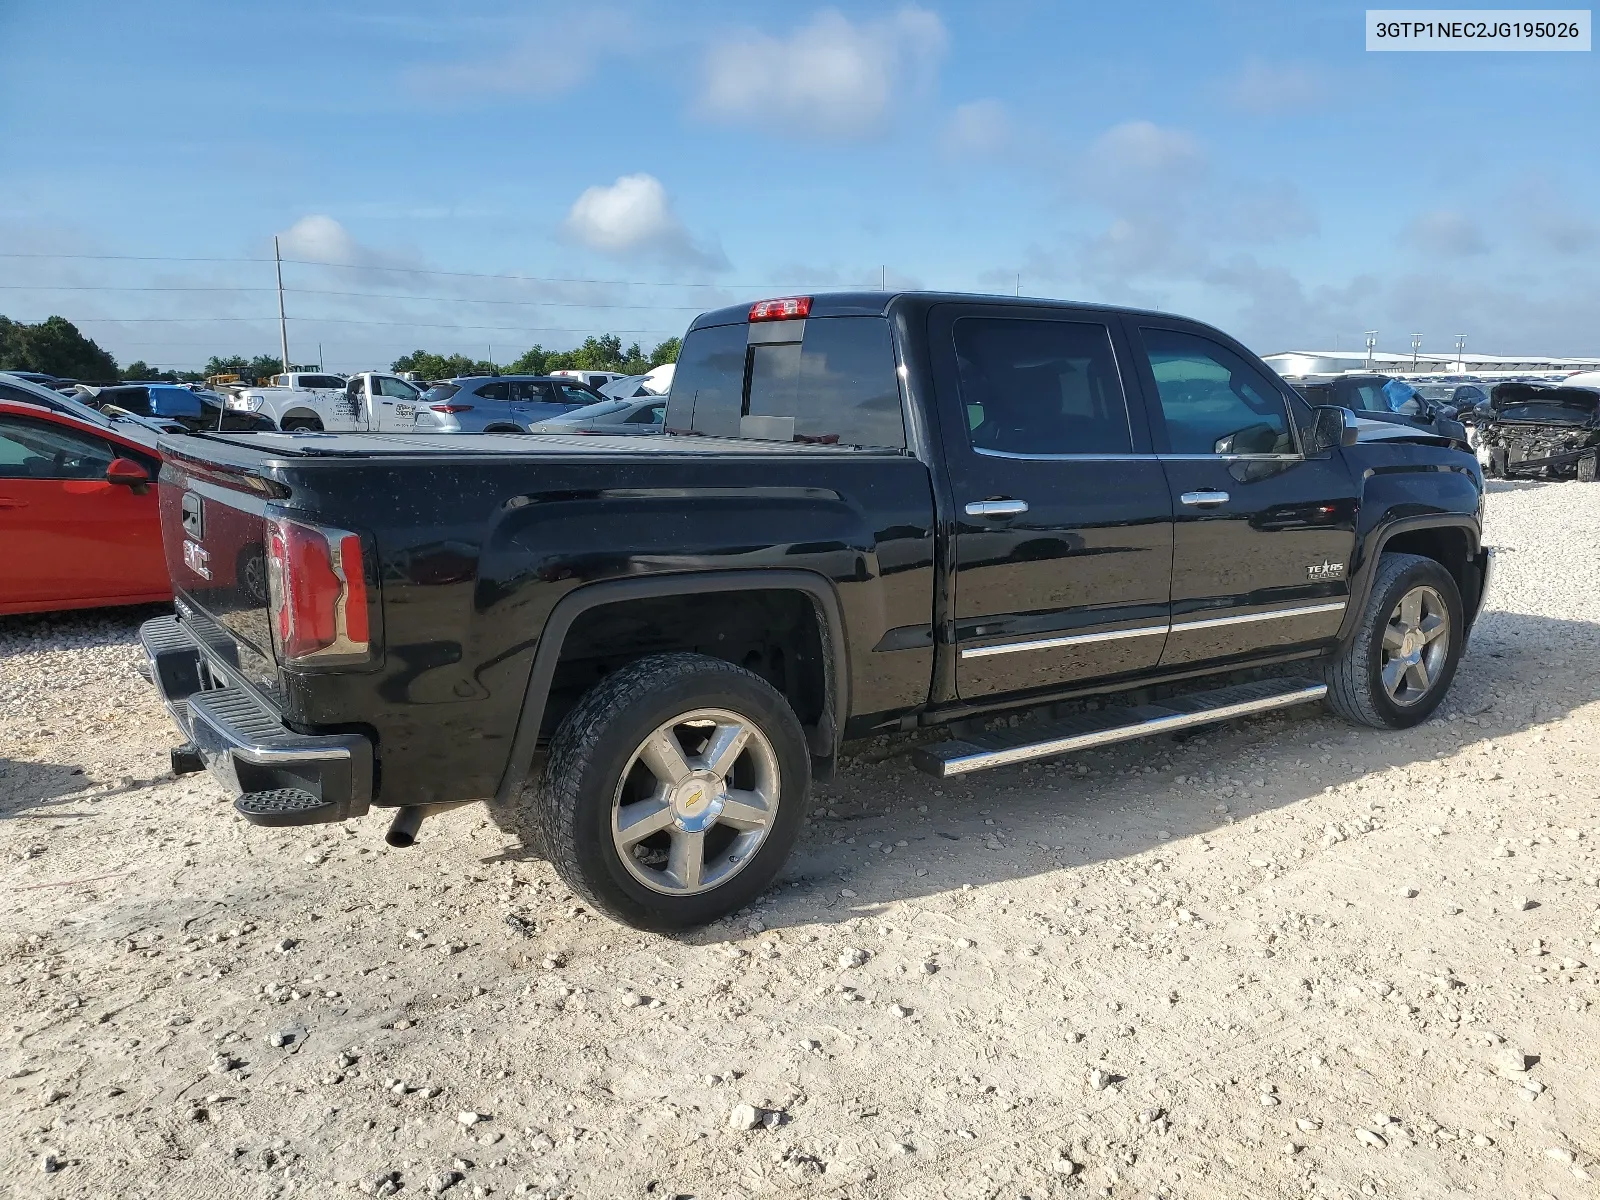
x=1372, y=549
x=570, y=607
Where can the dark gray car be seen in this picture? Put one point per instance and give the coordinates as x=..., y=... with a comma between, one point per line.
x=499, y=403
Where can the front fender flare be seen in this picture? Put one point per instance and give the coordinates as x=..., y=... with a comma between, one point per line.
x=1372, y=548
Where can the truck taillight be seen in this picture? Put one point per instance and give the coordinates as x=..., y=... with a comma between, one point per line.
x=317, y=593
x=790, y=308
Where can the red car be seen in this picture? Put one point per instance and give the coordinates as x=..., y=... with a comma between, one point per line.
x=79, y=523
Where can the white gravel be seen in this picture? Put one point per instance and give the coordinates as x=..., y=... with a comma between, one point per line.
x=1083, y=978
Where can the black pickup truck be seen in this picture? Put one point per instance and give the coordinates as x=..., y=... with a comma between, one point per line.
x=870, y=512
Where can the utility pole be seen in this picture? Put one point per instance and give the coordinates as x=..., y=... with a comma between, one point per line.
x=1416, y=345
x=1019, y=283
x=1372, y=340
x=1461, y=353
x=883, y=277
x=283, y=321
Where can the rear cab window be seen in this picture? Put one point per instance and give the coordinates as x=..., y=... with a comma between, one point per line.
x=825, y=380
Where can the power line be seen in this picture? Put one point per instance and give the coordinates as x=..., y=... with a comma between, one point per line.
x=347, y=321
x=309, y=262
x=111, y=287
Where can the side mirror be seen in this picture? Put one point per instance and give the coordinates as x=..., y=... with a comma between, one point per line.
x=128, y=473
x=1329, y=428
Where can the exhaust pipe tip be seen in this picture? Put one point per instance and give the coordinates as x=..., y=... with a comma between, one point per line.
x=403, y=829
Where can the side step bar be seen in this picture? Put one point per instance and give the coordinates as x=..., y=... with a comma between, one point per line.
x=1004, y=747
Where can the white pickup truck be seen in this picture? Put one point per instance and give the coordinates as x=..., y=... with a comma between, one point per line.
x=371, y=400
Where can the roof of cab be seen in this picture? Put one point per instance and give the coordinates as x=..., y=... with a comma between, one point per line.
x=878, y=304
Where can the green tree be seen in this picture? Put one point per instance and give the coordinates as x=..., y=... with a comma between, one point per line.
x=55, y=347
x=235, y=364
x=263, y=366
x=534, y=361
x=666, y=352
x=142, y=372
x=427, y=365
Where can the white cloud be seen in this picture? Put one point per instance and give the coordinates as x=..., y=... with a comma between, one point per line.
x=1275, y=89
x=1446, y=232
x=319, y=238
x=634, y=218
x=828, y=79
x=981, y=129
x=1137, y=158
x=552, y=59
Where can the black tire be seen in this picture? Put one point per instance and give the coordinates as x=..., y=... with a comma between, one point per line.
x=1356, y=689
x=584, y=778
x=1499, y=460
x=1588, y=468
x=291, y=424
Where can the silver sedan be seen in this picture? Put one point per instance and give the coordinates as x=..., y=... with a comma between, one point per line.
x=641, y=414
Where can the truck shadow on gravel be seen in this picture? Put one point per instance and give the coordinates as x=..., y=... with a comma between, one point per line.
x=882, y=832
x=33, y=785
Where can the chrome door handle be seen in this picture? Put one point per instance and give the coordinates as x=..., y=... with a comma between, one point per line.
x=997, y=508
x=1209, y=498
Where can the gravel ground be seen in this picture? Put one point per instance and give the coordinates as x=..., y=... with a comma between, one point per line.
x=1285, y=958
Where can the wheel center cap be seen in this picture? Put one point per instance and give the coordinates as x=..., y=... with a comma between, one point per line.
x=695, y=803
x=1408, y=647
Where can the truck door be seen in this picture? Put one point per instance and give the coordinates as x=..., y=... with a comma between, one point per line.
x=1263, y=536
x=1063, y=536
x=393, y=404
x=353, y=410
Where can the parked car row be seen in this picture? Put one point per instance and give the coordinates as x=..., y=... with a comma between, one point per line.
x=77, y=504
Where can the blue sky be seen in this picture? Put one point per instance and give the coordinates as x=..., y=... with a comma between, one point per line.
x=633, y=163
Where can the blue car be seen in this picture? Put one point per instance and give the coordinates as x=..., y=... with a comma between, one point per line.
x=196, y=411
x=499, y=403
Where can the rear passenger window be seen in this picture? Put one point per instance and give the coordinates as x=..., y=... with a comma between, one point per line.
x=1034, y=387
x=834, y=384
x=1213, y=401
x=492, y=391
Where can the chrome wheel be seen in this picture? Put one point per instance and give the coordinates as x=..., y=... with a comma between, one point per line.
x=1416, y=645
x=695, y=802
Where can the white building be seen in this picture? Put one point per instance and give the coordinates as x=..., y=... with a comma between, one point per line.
x=1332, y=362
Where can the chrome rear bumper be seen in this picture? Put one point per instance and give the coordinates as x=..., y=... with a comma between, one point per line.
x=306, y=778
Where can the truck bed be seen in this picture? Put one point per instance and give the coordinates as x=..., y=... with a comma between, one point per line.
x=500, y=445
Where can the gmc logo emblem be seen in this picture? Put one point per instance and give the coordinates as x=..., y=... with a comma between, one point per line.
x=196, y=559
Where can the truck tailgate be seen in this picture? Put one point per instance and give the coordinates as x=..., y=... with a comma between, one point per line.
x=213, y=532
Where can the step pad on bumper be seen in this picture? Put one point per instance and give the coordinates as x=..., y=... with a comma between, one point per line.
x=1004, y=747
x=285, y=806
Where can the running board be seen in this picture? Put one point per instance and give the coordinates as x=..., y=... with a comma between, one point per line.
x=1004, y=747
